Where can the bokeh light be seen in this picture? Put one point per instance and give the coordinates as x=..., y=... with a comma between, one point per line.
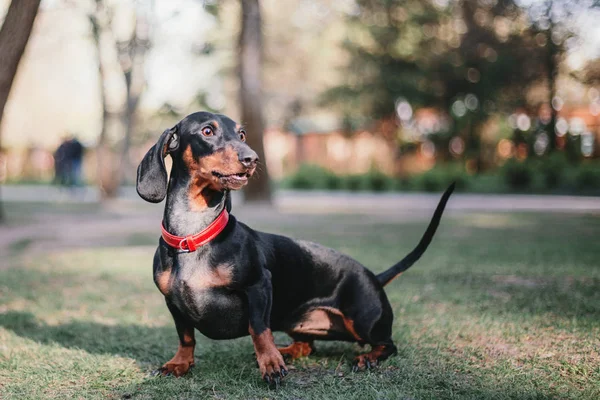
x=428, y=149
x=587, y=144
x=403, y=110
x=541, y=143
x=562, y=126
x=523, y=122
x=459, y=109
x=505, y=148
x=457, y=146
x=557, y=103
x=576, y=126
x=471, y=102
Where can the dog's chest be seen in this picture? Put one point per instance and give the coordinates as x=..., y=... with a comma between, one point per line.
x=206, y=295
x=198, y=277
x=201, y=277
x=194, y=286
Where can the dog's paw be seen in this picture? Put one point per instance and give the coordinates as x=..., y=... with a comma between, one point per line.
x=363, y=362
x=272, y=367
x=174, y=369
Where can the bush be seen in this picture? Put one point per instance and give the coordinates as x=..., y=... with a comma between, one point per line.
x=332, y=181
x=552, y=169
x=352, y=182
x=587, y=178
x=440, y=177
x=553, y=172
x=313, y=177
x=377, y=181
x=403, y=184
x=431, y=182
x=518, y=175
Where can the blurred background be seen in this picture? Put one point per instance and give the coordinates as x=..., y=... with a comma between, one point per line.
x=499, y=95
x=350, y=104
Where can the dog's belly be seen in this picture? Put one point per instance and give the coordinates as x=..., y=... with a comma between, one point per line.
x=218, y=313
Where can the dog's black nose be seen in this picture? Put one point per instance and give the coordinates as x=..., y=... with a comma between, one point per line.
x=248, y=157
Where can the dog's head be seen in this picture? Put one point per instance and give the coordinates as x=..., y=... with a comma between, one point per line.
x=209, y=148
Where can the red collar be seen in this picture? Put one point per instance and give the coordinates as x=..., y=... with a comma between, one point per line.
x=192, y=242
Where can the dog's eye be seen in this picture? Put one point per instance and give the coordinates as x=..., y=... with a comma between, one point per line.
x=243, y=136
x=207, y=131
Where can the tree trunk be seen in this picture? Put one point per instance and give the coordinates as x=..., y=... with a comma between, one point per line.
x=134, y=91
x=551, y=62
x=14, y=35
x=132, y=55
x=114, y=167
x=129, y=121
x=250, y=70
x=105, y=169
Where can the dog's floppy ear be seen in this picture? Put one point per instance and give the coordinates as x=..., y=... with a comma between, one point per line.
x=151, y=174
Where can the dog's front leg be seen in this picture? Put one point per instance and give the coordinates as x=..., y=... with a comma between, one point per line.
x=184, y=358
x=270, y=361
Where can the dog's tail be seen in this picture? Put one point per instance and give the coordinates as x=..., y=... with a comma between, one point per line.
x=387, y=276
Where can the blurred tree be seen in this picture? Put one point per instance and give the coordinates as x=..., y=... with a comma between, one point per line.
x=300, y=54
x=469, y=59
x=106, y=169
x=14, y=35
x=132, y=52
x=114, y=170
x=488, y=70
x=555, y=35
x=389, y=57
x=550, y=19
x=250, y=73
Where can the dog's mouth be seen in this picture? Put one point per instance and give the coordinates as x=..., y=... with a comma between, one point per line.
x=238, y=176
x=233, y=181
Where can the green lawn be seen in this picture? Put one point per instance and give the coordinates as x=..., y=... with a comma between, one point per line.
x=501, y=306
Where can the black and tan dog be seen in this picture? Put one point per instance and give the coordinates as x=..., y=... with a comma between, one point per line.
x=226, y=280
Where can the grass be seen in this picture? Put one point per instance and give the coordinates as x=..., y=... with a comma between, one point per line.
x=502, y=306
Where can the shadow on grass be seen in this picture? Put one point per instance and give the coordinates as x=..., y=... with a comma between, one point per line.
x=145, y=344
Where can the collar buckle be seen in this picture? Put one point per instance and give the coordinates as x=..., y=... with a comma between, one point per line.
x=180, y=246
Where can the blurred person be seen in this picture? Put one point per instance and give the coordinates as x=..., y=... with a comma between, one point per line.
x=75, y=152
x=60, y=163
x=68, y=159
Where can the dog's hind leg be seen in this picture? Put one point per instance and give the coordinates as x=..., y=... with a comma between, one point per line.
x=378, y=334
x=377, y=354
x=382, y=346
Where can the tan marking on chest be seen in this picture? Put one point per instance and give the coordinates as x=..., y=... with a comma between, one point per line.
x=206, y=278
